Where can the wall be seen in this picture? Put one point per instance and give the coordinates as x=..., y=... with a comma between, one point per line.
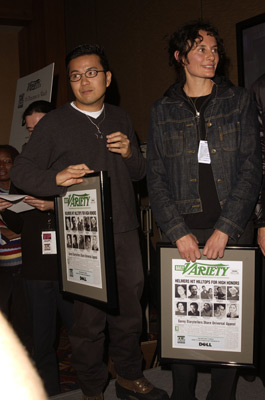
x=9, y=73
x=40, y=41
x=133, y=34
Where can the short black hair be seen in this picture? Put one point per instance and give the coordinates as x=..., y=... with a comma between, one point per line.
x=87, y=49
x=9, y=149
x=183, y=40
x=40, y=106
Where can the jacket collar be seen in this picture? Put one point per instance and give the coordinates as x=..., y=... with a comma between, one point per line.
x=174, y=93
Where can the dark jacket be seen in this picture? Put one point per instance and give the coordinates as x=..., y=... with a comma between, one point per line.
x=258, y=89
x=172, y=166
x=30, y=224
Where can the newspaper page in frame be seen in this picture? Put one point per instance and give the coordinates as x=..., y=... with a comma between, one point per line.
x=207, y=305
x=82, y=245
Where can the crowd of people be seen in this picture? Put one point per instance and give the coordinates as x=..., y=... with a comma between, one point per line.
x=204, y=178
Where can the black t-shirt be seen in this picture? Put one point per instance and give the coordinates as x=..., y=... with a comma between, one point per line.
x=207, y=190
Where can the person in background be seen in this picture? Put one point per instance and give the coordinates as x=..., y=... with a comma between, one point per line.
x=34, y=113
x=258, y=89
x=40, y=272
x=12, y=297
x=203, y=168
x=10, y=247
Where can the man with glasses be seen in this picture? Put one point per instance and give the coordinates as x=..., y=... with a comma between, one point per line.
x=81, y=137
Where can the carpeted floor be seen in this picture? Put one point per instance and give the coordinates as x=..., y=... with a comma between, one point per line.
x=68, y=380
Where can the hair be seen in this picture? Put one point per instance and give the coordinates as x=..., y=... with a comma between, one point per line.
x=87, y=49
x=190, y=286
x=181, y=302
x=194, y=305
x=183, y=41
x=40, y=106
x=9, y=149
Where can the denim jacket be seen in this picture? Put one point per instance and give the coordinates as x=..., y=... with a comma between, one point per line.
x=232, y=133
x=258, y=88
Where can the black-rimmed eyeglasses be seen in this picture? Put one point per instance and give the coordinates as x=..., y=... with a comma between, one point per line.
x=90, y=73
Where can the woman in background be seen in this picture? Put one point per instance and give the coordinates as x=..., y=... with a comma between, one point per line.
x=12, y=299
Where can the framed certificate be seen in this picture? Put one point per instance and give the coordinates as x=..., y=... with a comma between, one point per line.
x=209, y=308
x=85, y=240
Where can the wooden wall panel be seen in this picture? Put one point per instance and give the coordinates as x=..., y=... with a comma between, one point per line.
x=43, y=41
x=133, y=34
x=9, y=71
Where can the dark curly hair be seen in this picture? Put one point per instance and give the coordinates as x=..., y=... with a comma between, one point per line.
x=183, y=41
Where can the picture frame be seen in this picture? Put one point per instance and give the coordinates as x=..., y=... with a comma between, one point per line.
x=219, y=337
x=85, y=241
x=250, y=36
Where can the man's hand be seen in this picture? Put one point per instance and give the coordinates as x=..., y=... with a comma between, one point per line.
x=119, y=143
x=4, y=204
x=188, y=247
x=72, y=175
x=261, y=239
x=42, y=205
x=215, y=245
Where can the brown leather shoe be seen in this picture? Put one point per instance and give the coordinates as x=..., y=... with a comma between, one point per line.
x=140, y=389
x=97, y=397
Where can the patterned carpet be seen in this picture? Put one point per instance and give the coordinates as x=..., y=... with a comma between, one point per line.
x=67, y=373
x=68, y=379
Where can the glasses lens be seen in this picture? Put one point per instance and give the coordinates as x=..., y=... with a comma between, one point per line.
x=75, y=77
x=91, y=73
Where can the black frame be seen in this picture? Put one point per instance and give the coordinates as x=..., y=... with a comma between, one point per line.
x=252, y=32
x=107, y=294
x=204, y=357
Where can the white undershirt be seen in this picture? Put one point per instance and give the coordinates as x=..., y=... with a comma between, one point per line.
x=94, y=114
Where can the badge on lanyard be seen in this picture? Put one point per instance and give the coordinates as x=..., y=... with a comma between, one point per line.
x=48, y=240
x=203, y=153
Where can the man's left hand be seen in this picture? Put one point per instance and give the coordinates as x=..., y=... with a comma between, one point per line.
x=119, y=143
x=215, y=245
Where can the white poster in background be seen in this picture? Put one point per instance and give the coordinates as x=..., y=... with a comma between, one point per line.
x=82, y=244
x=207, y=305
x=33, y=87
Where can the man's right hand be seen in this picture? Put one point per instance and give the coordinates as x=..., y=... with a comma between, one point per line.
x=188, y=247
x=72, y=175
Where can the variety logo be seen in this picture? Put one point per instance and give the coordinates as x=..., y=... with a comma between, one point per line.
x=200, y=269
x=77, y=200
